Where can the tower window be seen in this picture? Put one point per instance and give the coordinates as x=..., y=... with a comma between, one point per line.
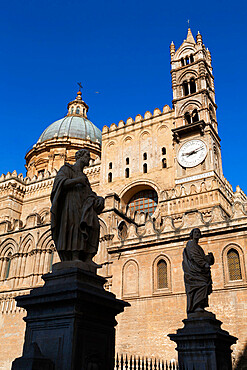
x=187, y=60
x=234, y=265
x=185, y=88
x=162, y=274
x=192, y=86
x=145, y=168
x=187, y=118
x=127, y=160
x=164, y=165
x=195, y=116
x=163, y=151
x=145, y=156
x=144, y=201
x=72, y=110
x=77, y=110
x=191, y=58
x=110, y=165
x=127, y=172
x=110, y=177
x=182, y=61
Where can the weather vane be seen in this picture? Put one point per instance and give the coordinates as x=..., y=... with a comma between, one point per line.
x=188, y=21
x=80, y=86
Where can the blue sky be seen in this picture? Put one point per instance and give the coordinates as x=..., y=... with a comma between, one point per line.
x=121, y=50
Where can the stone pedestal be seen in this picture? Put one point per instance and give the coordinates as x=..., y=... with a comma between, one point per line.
x=202, y=344
x=71, y=319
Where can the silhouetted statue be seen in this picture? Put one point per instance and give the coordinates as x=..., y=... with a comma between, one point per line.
x=74, y=212
x=197, y=274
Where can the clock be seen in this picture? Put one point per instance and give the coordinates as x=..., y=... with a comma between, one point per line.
x=192, y=153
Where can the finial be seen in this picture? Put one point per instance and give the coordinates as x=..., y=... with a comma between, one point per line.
x=190, y=37
x=172, y=49
x=188, y=21
x=199, y=38
x=80, y=86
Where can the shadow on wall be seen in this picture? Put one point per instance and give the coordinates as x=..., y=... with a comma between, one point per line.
x=241, y=363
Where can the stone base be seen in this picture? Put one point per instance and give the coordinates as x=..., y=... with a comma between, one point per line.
x=72, y=319
x=202, y=344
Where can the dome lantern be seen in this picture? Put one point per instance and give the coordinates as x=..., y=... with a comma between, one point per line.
x=77, y=107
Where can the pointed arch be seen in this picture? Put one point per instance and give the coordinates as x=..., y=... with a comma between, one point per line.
x=45, y=241
x=27, y=244
x=7, y=246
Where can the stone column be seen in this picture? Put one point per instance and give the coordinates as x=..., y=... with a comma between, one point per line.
x=71, y=319
x=202, y=344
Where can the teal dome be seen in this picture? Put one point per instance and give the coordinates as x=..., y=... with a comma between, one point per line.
x=74, y=127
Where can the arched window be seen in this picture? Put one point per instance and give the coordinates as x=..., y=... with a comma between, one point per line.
x=192, y=86
x=182, y=61
x=145, y=168
x=127, y=172
x=127, y=160
x=191, y=58
x=145, y=156
x=187, y=60
x=211, y=113
x=187, y=117
x=110, y=177
x=144, y=201
x=110, y=165
x=163, y=151
x=185, y=88
x=77, y=110
x=72, y=110
x=162, y=275
x=7, y=268
x=122, y=230
x=164, y=165
x=195, y=116
x=233, y=262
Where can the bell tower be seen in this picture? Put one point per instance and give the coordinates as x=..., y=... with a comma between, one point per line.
x=195, y=133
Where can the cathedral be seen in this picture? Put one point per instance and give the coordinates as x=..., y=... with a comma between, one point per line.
x=161, y=175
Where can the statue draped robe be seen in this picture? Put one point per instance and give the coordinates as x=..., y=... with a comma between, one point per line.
x=197, y=275
x=74, y=221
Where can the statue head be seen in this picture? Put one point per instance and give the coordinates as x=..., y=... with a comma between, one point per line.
x=83, y=155
x=195, y=233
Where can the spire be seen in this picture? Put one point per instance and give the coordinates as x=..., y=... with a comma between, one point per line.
x=190, y=37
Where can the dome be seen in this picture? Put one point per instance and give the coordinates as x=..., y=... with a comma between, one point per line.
x=74, y=127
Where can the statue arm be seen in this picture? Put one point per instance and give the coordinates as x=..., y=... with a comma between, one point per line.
x=198, y=256
x=69, y=183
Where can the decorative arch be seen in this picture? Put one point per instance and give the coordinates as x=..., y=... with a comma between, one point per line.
x=122, y=230
x=7, y=246
x=27, y=244
x=130, y=279
x=45, y=241
x=127, y=140
x=145, y=135
x=187, y=75
x=233, y=265
x=189, y=106
x=184, y=50
x=161, y=274
x=45, y=214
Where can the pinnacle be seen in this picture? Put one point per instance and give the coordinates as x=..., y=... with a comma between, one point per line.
x=190, y=37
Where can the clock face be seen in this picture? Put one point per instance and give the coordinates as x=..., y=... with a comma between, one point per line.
x=192, y=153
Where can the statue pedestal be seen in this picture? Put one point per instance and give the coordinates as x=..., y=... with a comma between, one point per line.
x=71, y=319
x=202, y=344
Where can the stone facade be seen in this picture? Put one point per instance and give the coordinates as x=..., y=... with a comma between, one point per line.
x=161, y=175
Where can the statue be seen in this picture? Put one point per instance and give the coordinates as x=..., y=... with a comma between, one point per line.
x=197, y=274
x=74, y=213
